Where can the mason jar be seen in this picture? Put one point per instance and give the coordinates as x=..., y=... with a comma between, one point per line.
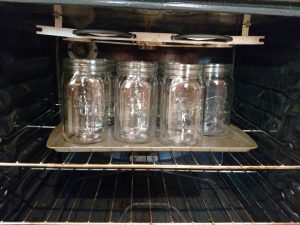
x=85, y=100
x=135, y=101
x=219, y=91
x=182, y=99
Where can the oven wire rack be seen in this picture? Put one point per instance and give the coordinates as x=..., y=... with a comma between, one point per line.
x=103, y=198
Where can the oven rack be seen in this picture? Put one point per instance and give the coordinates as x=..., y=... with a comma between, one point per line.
x=150, y=198
x=155, y=161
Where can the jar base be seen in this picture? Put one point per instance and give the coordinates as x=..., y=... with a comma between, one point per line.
x=177, y=142
x=79, y=140
x=137, y=139
x=216, y=134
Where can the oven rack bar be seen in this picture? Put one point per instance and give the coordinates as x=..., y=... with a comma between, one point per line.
x=254, y=129
x=149, y=167
x=44, y=118
x=174, y=161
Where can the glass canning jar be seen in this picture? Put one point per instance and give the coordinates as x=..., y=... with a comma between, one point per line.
x=218, y=100
x=182, y=99
x=135, y=101
x=85, y=100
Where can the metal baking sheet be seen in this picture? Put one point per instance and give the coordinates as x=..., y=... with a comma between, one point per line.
x=235, y=141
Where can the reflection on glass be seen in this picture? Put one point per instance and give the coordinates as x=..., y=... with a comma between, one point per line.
x=136, y=100
x=218, y=81
x=85, y=101
x=182, y=104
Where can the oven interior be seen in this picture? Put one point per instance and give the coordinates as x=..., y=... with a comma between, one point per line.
x=263, y=187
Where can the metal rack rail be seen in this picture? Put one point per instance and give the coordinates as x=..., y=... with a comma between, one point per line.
x=152, y=198
x=173, y=161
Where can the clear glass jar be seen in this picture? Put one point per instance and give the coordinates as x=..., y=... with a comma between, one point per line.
x=85, y=100
x=181, y=114
x=218, y=100
x=135, y=101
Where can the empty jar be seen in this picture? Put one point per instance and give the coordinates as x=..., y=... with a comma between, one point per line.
x=181, y=113
x=135, y=101
x=219, y=90
x=85, y=100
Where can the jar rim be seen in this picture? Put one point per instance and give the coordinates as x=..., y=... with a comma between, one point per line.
x=181, y=70
x=217, y=68
x=89, y=61
x=180, y=66
x=137, y=64
x=95, y=64
x=143, y=68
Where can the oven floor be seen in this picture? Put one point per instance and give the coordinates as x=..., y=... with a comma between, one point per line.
x=131, y=196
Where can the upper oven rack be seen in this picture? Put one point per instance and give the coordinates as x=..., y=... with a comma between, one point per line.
x=168, y=161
